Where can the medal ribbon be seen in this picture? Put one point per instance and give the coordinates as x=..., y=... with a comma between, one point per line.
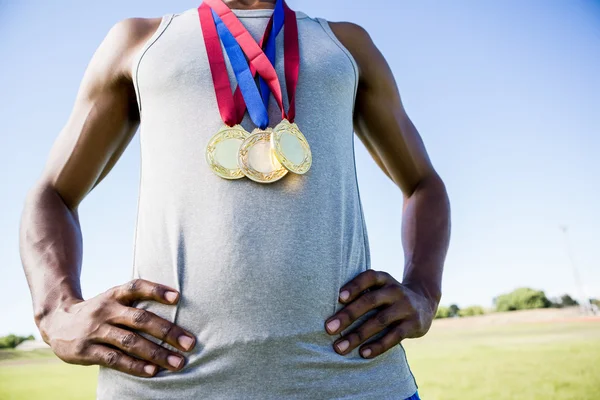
x=259, y=62
x=256, y=108
x=214, y=31
x=238, y=99
x=216, y=60
x=273, y=28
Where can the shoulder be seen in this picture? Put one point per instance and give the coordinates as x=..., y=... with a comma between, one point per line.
x=123, y=41
x=350, y=32
x=358, y=42
x=372, y=65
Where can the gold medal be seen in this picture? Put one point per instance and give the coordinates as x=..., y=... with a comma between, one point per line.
x=256, y=159
x=291, y=148
x=222, y=151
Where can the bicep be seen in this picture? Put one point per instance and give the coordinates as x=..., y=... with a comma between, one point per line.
x=101, y=124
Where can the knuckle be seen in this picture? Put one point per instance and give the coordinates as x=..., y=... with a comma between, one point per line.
x=352, y=288
x=133, y=285
x=128, y=340
x=371, y=274
x=140, y=317
x=383, y=319
x=156, y=354
x=361, y=335
x=349, y=314
x=112, y=358
x=80, y=349
x=112, y=293
x=165, y=330
x=156, y=291
x=132, y=365
x=372, y=299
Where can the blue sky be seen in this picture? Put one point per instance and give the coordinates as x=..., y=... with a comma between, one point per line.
x=506, y=96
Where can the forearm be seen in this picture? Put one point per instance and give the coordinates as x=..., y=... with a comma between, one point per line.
x=426, y=236
x=51, y=251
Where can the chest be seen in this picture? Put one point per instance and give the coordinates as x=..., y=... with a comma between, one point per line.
x=175, y=68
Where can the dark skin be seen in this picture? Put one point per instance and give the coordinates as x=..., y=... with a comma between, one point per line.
x=102, y=330
x=404, y=309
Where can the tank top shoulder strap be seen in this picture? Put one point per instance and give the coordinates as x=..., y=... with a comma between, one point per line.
x=164, y=23
x=327, y=28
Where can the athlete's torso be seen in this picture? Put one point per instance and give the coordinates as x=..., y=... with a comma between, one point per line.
x=259, y=266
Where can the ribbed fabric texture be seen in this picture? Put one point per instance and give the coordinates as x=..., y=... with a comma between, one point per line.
x=259, y=266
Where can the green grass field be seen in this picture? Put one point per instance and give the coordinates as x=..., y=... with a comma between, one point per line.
x=545, y=361
x=533, y=361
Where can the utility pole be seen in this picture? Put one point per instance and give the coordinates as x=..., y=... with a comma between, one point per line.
x=569, y=248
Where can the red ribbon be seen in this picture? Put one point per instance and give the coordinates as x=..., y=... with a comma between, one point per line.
x=229, y=109
x=259, y=63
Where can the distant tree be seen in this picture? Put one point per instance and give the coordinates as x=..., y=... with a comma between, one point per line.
x=522, y=299
x=454, y=310
x=12, y=341
x=563, y=301
x=471, y=311
x=555, y=302
x=442, y=312
x=595, y=301
x=568, y=301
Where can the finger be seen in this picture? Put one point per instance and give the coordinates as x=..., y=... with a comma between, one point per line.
x=396, y=334
x=365, y=280
x=379, y=322
x=141, y=289
x=116, y=359
x=160, y=328
x=363, y=304
x=143, y=348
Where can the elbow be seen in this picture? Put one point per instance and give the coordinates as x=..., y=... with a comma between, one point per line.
x=432, y=185
x=44, y=191
x=437, y=191
x=431, y=192
x=438, y=187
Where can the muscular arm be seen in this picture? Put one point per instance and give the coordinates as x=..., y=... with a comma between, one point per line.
x=389, y=135
x=101, y=125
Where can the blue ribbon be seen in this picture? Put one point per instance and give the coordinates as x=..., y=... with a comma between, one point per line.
x=270, y=50
x=256, y=107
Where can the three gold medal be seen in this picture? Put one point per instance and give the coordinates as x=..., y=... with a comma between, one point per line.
x=266, y=155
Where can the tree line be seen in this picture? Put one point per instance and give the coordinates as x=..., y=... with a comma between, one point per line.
x=519, y=299
x=12, y=341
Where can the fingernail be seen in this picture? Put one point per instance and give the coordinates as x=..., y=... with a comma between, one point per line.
x=333, y=325
x=174, y=361
x=366, y=352
x=344, y=295
x=149, y=369
x=343, y=345
x=185, y=341
x=171, y=296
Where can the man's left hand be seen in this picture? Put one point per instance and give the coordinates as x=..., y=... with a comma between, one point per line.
x=405, y=310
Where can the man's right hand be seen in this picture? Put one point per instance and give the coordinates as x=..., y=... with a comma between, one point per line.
x=97, y=331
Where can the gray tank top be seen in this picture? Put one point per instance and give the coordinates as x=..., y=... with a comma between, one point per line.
x=259, y=266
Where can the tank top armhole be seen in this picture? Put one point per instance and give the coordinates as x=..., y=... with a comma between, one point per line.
x=325, y=25
x=165, y=21
x=365, y=235
x=135, y=65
